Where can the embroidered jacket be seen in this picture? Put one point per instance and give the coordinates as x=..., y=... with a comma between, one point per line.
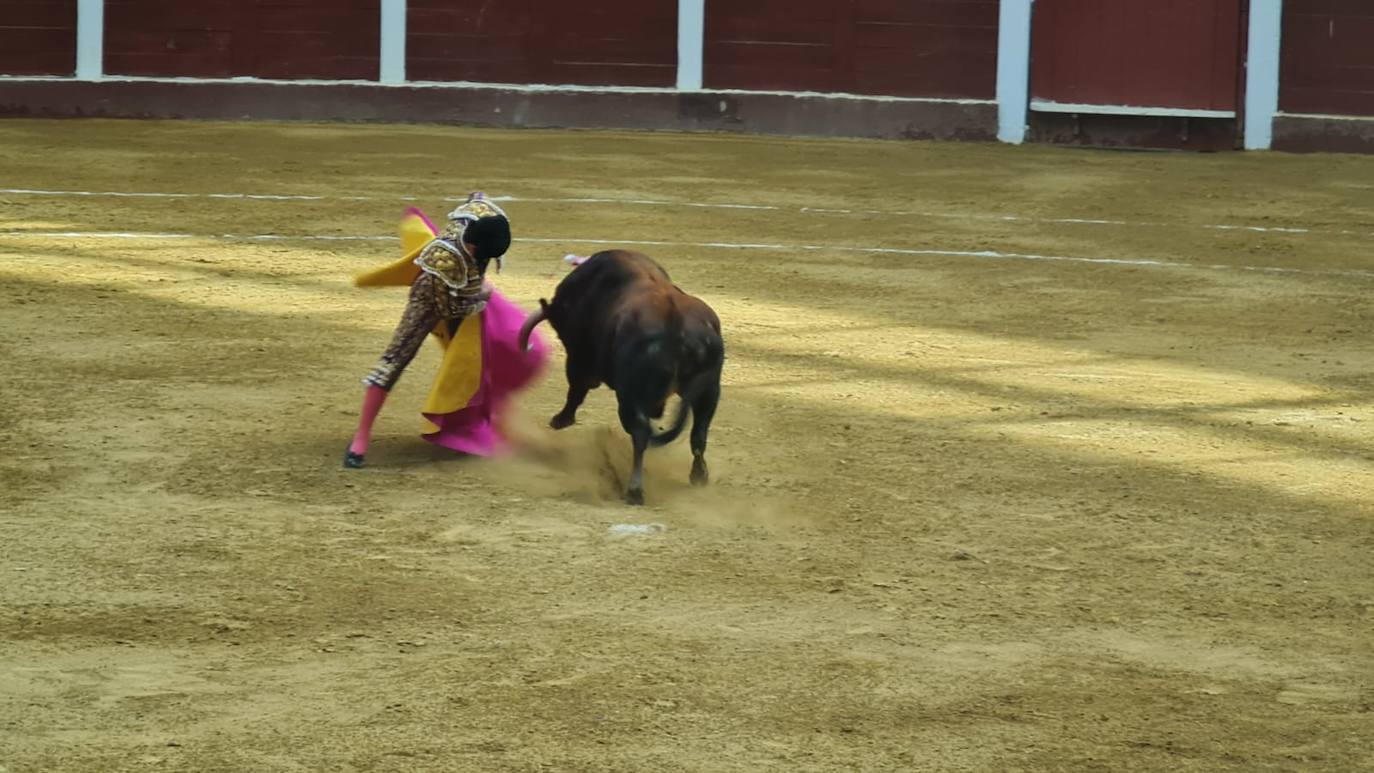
x=450, y=287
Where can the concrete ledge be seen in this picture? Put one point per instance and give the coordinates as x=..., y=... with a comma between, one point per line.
x=1323, y=134
x=1095, y=130
x=733, y=111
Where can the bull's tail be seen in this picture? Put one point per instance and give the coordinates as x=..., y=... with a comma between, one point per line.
x=694, y=390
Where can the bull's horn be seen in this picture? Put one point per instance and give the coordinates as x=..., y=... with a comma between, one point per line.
x=530, y=322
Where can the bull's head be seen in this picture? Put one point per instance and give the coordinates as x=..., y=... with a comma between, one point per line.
x=530, y=323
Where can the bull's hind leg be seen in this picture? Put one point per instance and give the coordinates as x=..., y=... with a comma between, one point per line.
x=703, y=410
x=639, y=436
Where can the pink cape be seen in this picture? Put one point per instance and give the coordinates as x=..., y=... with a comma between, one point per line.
x=477, y=428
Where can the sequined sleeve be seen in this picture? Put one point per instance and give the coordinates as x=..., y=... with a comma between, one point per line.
x=422, y=313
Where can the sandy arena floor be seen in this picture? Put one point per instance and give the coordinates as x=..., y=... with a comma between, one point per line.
x=1077, y=475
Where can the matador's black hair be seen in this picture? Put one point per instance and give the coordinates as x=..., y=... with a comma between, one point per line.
x=490, y=236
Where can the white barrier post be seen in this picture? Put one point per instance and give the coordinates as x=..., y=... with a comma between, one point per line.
x=393, y=44
x=1262, y=73
x=1013, y=69
x=90, y=39
x=691, y=43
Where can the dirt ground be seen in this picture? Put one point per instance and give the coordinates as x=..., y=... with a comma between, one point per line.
x=1022, y=492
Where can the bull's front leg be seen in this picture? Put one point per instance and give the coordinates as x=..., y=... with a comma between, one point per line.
x=568, y=416
x=578, y=387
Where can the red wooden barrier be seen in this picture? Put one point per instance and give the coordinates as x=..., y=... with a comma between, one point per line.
x=1328, y=57
x=37, y=37
x=608, y=43
x=919, y=48
x=1166, y=54
x=292, y=39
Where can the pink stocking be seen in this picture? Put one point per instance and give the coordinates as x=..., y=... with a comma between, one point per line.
x=373, y=398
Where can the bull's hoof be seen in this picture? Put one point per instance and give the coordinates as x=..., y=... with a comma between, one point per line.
x=562, y=422
x=634, y=497
x=700, y=476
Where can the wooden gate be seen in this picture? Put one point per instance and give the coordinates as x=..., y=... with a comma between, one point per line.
x=1328, y=57
x=1137, y=57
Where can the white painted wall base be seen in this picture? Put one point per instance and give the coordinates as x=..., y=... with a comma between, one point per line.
x=1048, y=106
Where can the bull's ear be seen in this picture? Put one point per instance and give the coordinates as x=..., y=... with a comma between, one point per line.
x=543, y=304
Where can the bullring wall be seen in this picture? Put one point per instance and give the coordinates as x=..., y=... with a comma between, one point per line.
x=875, y=68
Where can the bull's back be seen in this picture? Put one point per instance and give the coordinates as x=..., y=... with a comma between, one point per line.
x=607, y=274
x=610, y=283
x=625, y=298
x=648, y=302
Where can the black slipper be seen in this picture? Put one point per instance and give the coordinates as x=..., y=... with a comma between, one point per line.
x=353, y=461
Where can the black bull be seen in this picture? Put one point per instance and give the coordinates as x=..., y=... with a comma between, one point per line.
x=623, y=323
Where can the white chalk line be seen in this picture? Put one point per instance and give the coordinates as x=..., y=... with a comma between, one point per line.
x=695, y=205
x=911, y=251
